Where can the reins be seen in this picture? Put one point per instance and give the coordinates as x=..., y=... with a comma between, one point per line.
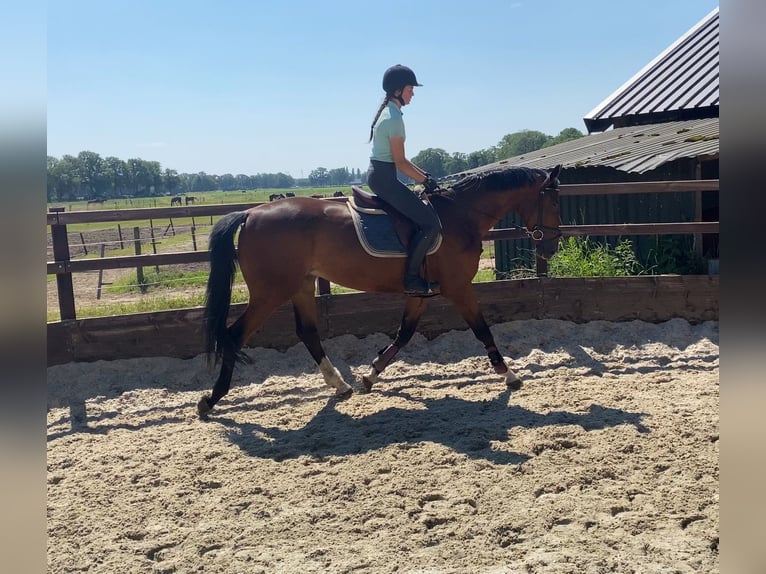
x=537, y=233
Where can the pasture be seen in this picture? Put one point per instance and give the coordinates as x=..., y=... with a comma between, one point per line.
x=606, y=459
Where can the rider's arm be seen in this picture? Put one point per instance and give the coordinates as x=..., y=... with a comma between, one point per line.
x=402, y=163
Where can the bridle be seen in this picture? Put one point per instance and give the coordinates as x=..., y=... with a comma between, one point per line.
x=537, y=233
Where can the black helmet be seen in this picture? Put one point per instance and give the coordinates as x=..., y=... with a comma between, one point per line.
x=396, y=77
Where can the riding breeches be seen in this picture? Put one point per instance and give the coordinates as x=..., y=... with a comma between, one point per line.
x=381, y=177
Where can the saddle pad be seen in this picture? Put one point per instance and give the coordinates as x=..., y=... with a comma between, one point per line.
x=377, y=235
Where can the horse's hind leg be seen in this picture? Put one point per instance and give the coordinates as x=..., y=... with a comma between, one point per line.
x=239, y=332
x=412, y=313
x=304, y=307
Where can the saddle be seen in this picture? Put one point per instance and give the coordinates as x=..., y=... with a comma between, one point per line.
x=366, y=209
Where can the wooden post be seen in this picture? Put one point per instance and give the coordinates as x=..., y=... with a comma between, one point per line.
x=698, y=211
x=323, y=286
x=194, y=237
x=139, y=269
x=154, y=243
x=541, y=266
x=63, y=280
x=100, y=276
x=84, y=247
x=119, y=233
x=170, y=226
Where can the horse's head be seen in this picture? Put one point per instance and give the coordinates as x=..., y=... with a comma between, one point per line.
x=544, y=221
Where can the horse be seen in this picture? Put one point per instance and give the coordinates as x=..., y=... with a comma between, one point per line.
x=175, y=201
x=317, y=238
x=275, y=196
x=97, y=200
x=338, y=193
x=190, y=199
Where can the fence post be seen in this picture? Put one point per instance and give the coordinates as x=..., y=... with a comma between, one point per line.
x=64, y=283
x=154, y=243
x=194, y=236
x=119, y=233
x=541, y=267
x=323, y=286
x=84, y=246
x=139, y=269
x=100, y=276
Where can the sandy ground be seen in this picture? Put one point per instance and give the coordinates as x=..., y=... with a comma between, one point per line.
x=606, y=460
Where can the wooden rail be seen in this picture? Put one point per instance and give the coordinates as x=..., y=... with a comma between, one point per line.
x=63, y=266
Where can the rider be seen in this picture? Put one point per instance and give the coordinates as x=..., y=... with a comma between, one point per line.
x=387, y=137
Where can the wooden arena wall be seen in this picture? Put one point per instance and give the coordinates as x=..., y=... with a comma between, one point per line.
x=179, y=333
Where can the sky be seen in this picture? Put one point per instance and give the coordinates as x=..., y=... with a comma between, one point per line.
x=246, y=87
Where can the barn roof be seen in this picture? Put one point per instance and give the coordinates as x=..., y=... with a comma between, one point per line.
x=680, y=83
x=632, y=149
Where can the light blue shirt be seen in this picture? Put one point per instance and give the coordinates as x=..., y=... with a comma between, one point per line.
x=390, y=124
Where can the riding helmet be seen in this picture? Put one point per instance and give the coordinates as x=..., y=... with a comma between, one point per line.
x=396, y=77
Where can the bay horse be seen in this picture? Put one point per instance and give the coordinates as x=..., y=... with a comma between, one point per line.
x=317, y=238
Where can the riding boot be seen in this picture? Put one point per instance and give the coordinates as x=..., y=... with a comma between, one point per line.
x=414, y=284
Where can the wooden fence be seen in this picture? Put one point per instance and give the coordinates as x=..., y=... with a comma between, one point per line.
x=178, y=332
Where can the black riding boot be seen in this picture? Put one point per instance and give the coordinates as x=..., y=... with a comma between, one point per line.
x=414, y=284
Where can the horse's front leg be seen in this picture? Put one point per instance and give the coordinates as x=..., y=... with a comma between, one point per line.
x=468, y=307
x=412, y=313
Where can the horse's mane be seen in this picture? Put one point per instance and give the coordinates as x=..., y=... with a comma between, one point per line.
x=497, y=179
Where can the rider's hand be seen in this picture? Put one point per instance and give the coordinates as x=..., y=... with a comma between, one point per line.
x=430, y=184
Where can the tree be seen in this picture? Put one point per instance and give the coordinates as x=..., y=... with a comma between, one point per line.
x=116, y=173
x=91, y=168
x=432, y=160
x=519, y=143
x=171, y=181
x=480, y=158
x=339, y=176
x=63, y=178
x=456, y=163
x=565, y=135
x=319, y=177
x=226, y=182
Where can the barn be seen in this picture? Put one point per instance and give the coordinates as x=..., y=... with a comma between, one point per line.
x=661, y=125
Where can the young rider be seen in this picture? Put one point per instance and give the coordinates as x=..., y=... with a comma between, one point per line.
x=387, y=136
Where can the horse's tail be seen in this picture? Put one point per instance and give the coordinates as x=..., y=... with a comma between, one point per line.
x=223, y=265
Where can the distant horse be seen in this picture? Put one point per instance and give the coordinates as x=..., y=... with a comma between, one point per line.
x=275, y=196
x=338, y=193
x=190, y=199
x=289, y=194
x=97, y=200
x=175, y=201
x=318, y=239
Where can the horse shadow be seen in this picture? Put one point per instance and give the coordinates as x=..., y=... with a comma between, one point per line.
x=468, y=427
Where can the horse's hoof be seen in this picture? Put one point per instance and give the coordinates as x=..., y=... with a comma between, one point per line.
x=367, y=383
x=512, y=382
x=203, y=407
x=345, y=394
x=369, y=379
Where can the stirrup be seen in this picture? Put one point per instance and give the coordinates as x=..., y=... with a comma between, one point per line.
x=416, y=286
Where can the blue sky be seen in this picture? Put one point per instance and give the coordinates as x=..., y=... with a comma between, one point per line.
x=249, y=87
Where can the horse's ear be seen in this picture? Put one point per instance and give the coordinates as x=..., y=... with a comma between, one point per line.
x=555, y=173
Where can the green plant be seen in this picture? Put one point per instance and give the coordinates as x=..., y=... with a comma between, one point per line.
x=674, y=254
x=581, y=257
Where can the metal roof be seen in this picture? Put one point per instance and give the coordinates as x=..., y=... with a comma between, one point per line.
x=680, y=83
x=635, y=149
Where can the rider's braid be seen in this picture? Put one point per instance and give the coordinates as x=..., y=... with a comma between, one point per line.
x=380, y=110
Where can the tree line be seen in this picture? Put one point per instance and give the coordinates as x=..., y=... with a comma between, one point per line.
x=89, y=176
x=439, y=163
